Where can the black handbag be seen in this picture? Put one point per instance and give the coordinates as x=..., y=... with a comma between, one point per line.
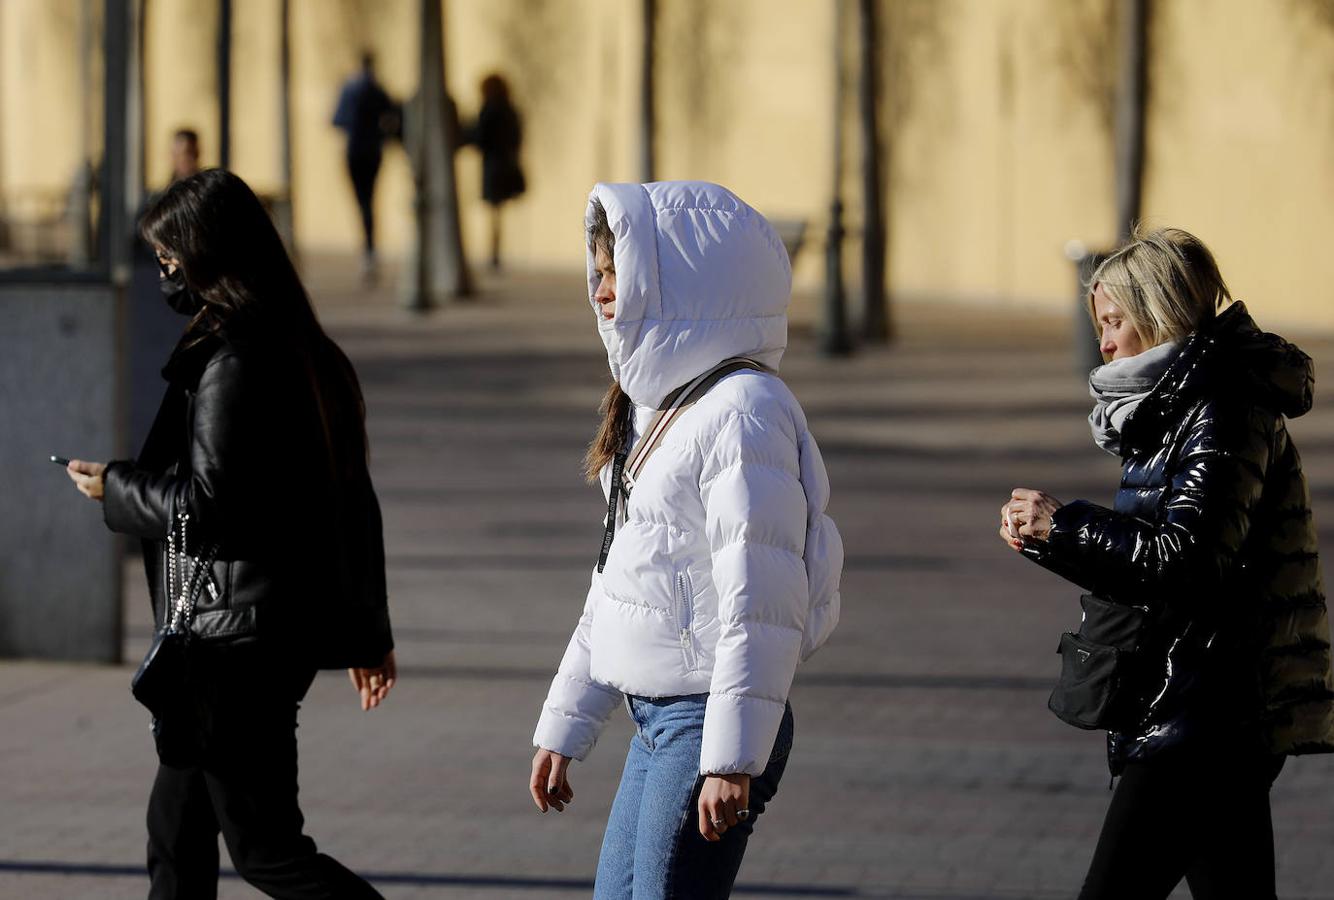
x=1099, y=666
x=160, y=682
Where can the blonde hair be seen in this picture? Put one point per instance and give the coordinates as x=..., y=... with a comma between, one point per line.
x=1165, y=281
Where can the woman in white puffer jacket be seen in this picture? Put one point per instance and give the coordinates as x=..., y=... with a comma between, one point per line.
x=723, y=572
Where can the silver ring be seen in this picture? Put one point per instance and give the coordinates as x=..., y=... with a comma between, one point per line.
x=743, y=814
x=719, y=823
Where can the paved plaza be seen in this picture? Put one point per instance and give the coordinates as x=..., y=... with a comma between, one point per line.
x=926, y=764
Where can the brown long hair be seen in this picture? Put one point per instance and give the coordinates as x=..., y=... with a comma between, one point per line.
x=614, y=432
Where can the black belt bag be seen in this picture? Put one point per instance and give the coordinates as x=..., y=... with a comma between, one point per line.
x=1099, y=666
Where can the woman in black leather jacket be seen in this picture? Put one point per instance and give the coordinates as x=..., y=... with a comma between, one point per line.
x=1211, y=536
x=258, y=459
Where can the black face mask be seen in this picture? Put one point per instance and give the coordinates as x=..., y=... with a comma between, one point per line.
x=179, y=297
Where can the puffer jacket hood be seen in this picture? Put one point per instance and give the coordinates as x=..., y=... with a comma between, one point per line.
x=1267, y=368
x=724, y=572
x=700, y=277
x=1230, y=356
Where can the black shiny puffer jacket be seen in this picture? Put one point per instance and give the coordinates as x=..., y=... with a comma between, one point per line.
x=239, y=445
x=1212, y=532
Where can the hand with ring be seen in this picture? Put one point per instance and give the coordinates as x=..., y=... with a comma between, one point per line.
x=724, y=800
x=1027, y=516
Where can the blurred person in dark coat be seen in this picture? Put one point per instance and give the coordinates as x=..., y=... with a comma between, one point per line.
x=184, y=153
x=369, y=117
x=498, y=134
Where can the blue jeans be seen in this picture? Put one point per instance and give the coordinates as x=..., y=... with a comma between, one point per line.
x=653, y=849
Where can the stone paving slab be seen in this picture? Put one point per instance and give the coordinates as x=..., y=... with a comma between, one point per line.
x=926, y=765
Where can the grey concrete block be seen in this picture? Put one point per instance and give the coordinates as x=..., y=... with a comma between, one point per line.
x=60, y=389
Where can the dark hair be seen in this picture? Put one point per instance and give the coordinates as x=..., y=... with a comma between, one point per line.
x=614, y=432
x=232, y=257
x=186, y=134
x=600, y=236
x=367, y=59
x=495, y=87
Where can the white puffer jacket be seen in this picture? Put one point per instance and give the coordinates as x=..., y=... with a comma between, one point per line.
x=726, y=571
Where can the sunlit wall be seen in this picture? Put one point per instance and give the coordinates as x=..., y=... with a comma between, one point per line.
x=997, y=120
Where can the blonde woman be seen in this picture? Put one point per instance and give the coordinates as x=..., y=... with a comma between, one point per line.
x=1211, y=540
x=719, y=570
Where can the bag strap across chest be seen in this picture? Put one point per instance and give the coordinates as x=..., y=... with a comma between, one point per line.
x=627, y=467
x=676, y=404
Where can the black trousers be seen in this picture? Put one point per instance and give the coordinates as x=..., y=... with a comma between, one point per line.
x=228, y=764
x=363, y=169
x=1199, y=814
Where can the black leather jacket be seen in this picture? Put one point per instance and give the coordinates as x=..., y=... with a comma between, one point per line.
x=238, y=445
x=1211, y=532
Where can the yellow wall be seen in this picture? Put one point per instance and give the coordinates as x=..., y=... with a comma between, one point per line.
x=996, y=116
x=570, y=65
x=41, y=99
x=998, y=162
x=180, y=80
x=1242, y=149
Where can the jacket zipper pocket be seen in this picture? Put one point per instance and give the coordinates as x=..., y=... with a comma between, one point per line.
x=684, y=614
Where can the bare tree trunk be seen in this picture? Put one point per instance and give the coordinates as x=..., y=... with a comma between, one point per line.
x=79, y=211
x=438, y=267
x=835, y=333
x=875, y=322
x=285, y=210
x=116, y=212
x=225, y=83
x=1131, y=100
x=648, y=118
x=452, y=270
x=4, y=214
x=138, y=161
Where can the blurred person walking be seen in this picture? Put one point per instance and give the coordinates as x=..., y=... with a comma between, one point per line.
x=152, y=327
x=719, y=569
x=369, y=117
x=1205, y=645
x=184, y=153
x=498, y=134
x=262, y=543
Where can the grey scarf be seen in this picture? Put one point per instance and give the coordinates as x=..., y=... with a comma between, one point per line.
x=1118, y=388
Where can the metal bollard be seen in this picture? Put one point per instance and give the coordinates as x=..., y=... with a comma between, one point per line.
x=1087, y=356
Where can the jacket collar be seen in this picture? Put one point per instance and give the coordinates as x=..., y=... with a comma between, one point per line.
x=187, y=361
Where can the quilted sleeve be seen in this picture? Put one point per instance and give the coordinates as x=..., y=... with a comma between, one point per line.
x=823, y=553
x=756, y=524
x=577, y=708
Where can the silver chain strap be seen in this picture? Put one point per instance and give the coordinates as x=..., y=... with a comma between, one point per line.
x=185, y=589
x=175, y=572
